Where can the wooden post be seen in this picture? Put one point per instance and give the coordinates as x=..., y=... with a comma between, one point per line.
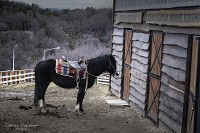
x=11, y=78
x=197, y=128
x=30, y=71
x=187, y=84
x=197, y=114
x=19, y=76
x=0, y=78
x=25, y=71
x=7, y=77
x=16, y=77
x=32, y=75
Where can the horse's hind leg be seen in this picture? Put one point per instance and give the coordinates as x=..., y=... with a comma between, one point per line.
x=36, y=98
x=41, y=85
x=42, y=103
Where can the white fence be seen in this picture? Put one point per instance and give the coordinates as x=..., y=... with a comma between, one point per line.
x=103, y=79
x=9, y=78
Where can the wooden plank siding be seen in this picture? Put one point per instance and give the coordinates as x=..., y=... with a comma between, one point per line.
x=175, y=62
x=139, y=70
x=173, y=82
x=172, y=72
x=117, y=52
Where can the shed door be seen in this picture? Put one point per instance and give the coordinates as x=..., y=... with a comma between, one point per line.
x=155, y=75
x=127, y=63
x=193, y=86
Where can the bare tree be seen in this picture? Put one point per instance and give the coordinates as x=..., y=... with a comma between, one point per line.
x=78, y=32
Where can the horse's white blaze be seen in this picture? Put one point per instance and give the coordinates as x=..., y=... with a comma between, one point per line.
x=77, y=107
x=41, y=103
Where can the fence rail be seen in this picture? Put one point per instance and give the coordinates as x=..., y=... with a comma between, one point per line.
x=10, y=78
x=103, y=79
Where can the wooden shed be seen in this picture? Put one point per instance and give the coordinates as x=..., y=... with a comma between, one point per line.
x=156, y=46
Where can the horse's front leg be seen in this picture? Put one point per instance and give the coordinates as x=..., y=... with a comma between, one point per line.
x=79, y=103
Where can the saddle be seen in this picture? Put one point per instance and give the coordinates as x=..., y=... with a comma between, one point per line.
x=76, y=69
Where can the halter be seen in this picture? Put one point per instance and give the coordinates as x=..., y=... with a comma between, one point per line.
x=111, y=66
x=126, y=54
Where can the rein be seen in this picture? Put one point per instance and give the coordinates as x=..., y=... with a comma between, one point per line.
x=117, y=77
x=91, y=74
x=88, y=73
x=110, y=66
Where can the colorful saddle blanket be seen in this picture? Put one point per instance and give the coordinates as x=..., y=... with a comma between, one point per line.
x=71, y=68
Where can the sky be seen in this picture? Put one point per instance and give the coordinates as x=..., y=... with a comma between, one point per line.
x=70, y=4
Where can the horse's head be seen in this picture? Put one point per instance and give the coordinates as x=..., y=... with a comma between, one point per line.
x=112, y=66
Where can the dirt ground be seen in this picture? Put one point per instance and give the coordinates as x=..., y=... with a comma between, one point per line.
x=17, y=115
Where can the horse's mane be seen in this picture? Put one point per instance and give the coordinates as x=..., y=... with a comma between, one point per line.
x=96, y=65
x=99, y=58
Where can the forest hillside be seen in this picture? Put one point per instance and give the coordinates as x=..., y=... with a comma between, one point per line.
x=79, y=32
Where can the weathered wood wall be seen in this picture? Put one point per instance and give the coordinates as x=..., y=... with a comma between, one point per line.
x=173, y=86
x=172, y=79
x=139, y=71
x=172, y=82
x=117, y=52
x=124, y=5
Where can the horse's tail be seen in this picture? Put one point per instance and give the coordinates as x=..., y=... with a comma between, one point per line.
x=36, y=93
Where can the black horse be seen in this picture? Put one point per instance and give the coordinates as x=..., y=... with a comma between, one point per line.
x=45, y=74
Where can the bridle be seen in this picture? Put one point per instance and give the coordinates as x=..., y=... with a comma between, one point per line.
x=122, y=75
x=111, y=66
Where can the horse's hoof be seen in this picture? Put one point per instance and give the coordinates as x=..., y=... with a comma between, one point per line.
x=44, y=111
x=81, y=110
x=79, y=113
